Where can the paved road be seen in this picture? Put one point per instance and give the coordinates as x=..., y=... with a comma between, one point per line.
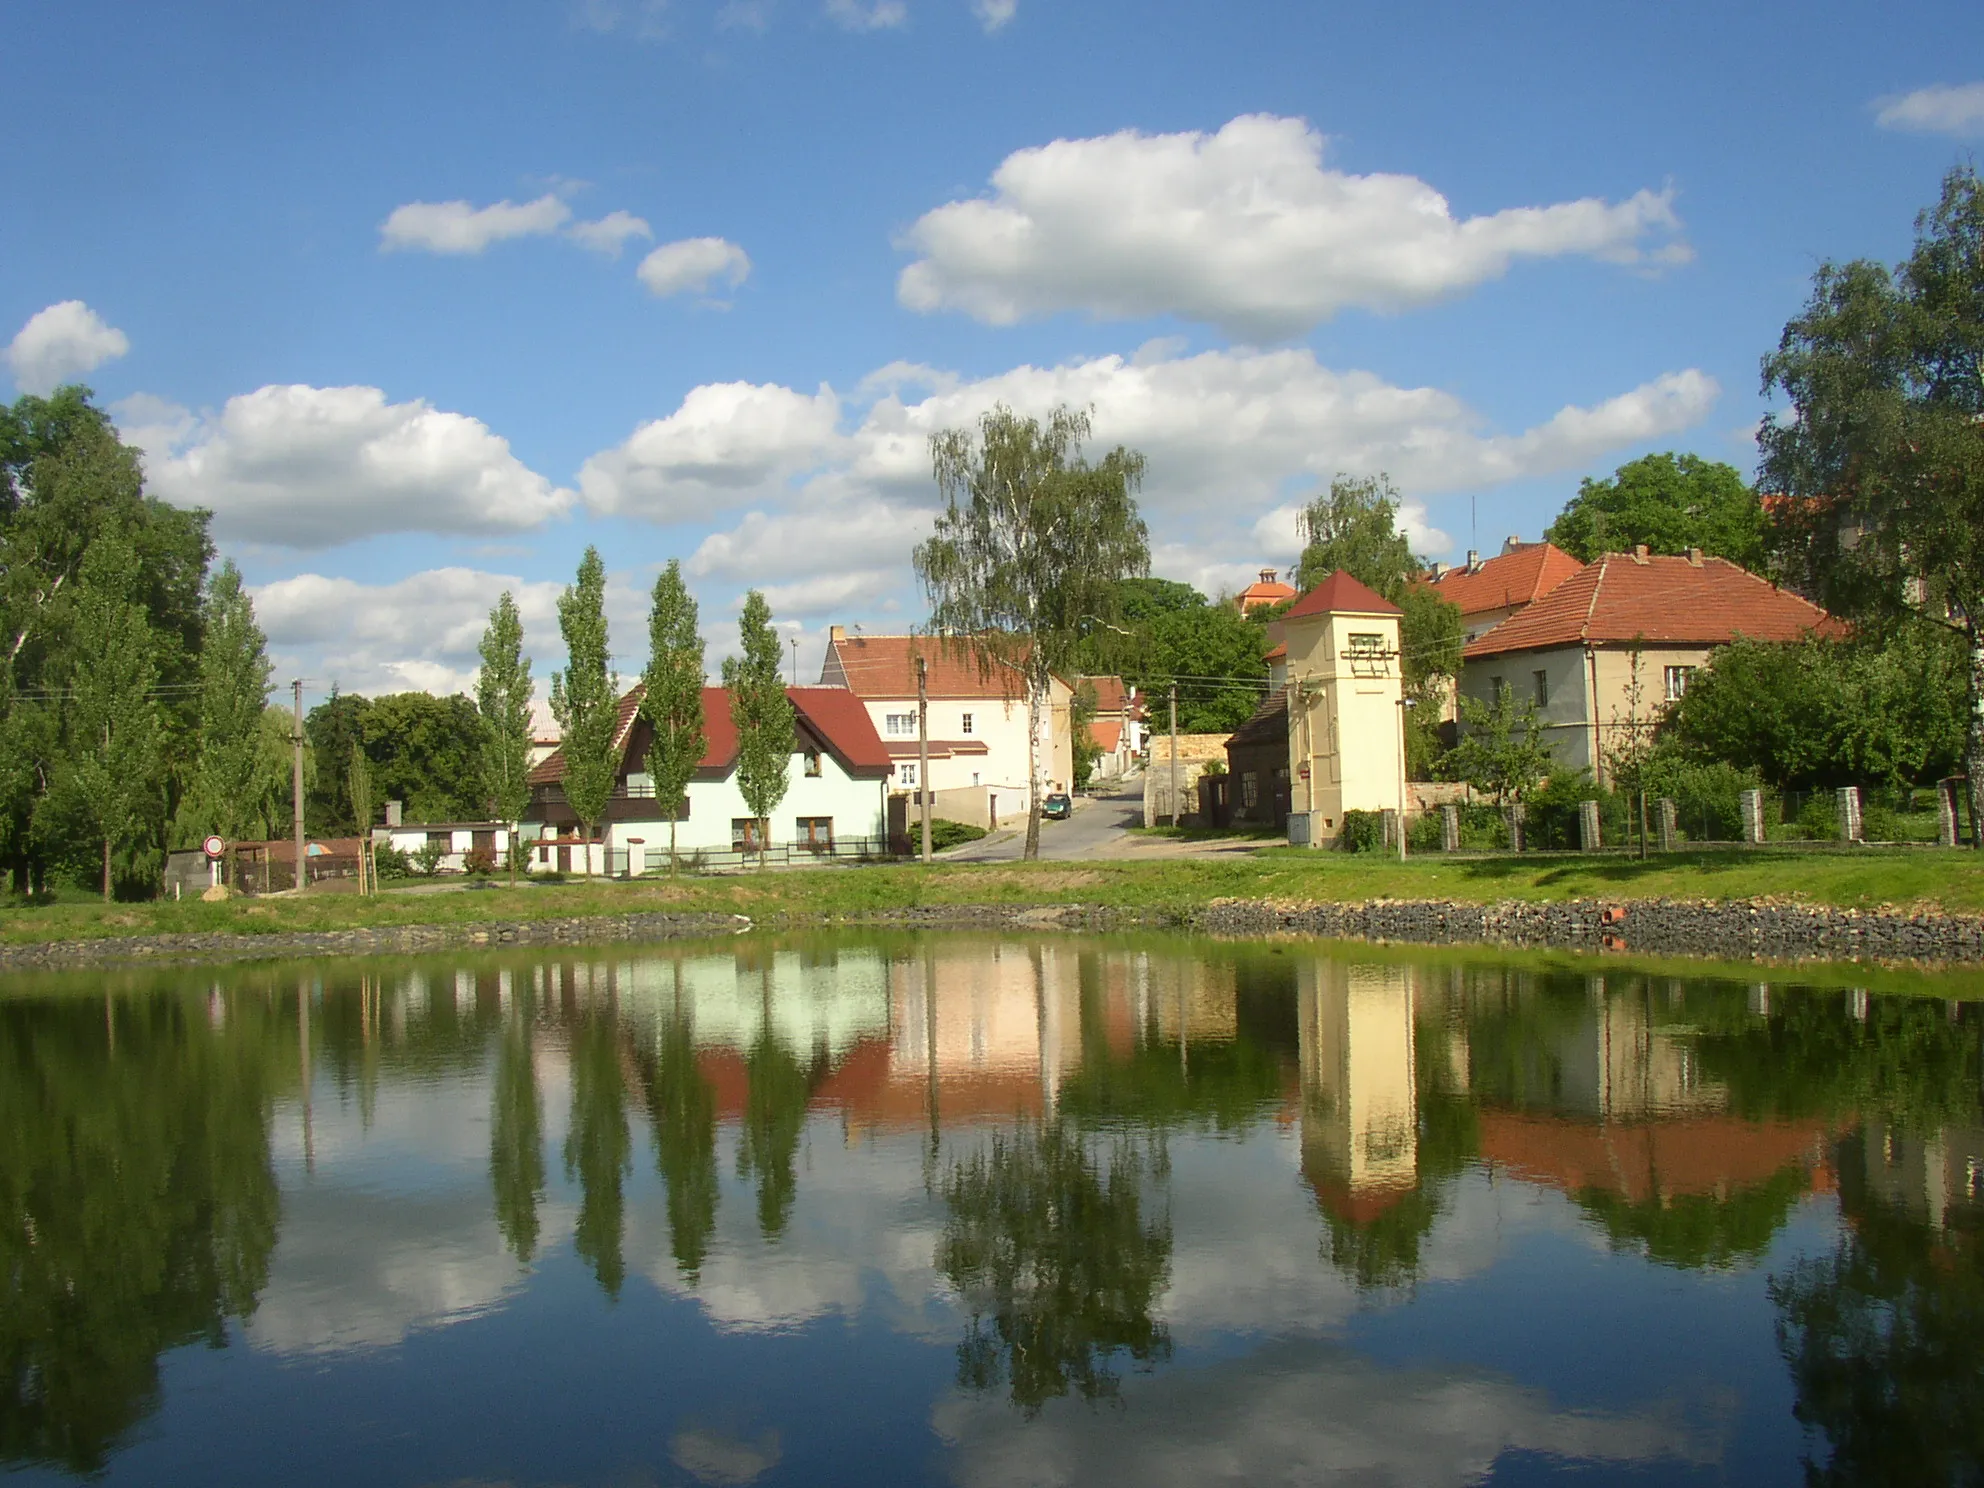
x=1095, y=830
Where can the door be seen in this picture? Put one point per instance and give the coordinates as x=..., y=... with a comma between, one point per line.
x=564, y=857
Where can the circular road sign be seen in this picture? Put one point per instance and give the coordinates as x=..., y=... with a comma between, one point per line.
x=214, y=847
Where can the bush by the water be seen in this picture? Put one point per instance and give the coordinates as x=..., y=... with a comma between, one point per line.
x=1363, y=831
x=946, y=834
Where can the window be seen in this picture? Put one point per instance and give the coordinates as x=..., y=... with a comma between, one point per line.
x=906, y=775
x=1677, y=682
x=1542, y=688
x=974, y=777
x=1250, y=790
x=814, y=833
x=900, y=725
x=744, y=834
x=1496, y=687
x=966, y=725
x=813, y=762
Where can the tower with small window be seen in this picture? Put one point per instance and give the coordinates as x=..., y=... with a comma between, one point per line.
x=1346, y=722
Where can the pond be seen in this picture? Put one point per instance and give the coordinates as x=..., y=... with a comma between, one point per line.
x=988, y=1210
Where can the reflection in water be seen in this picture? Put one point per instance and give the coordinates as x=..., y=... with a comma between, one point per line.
x=1059, y=1168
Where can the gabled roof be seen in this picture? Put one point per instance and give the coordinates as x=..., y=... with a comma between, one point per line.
x=832, y=716
x=1269, y=725
x=1105, y=733
x=884, y=666
x=1507, y=581
x=1664, y=601
x=1111, y=695
x=1342, y=595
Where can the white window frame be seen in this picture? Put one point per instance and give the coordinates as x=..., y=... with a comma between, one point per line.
x=1676, y=680
x=899, y=725
x=965, y=724
x=906, y=774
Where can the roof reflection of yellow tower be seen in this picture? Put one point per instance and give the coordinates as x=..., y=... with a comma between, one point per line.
x=1360, y=1108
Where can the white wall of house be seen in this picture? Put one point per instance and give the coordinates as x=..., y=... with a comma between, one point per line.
x=412, y=840
x=1000, y=724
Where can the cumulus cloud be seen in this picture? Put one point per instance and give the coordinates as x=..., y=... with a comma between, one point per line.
x=62, y=343
x=457, y=227
x=419, y=632
x=993, y=14
x=727, y=445
x=609, y=234
x=1246, y=229
x=1941, y=109
x=311, y=467
x=835, y=536
x=694, y=264
x=877, y=15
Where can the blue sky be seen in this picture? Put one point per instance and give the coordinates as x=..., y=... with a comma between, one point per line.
x=1488, y=250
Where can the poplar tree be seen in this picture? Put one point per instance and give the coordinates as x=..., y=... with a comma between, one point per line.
x=672, y=695
x=763, y=713
x=114, y=729
x=585, y=699
x=502, y=696
x=1028, y=555
x=234, y=690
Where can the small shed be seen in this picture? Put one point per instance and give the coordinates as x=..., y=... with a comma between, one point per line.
x=1257, y=759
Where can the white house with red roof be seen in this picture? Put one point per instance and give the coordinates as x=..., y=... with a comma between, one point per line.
x=978, y=720
x=836, y=798
x=1574, y=652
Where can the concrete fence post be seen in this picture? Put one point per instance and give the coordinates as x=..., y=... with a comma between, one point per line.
x=1670, y=822
x=1753, y=816
x=1450, y=828
x=1946, y=809
x=1512, y=818
x=1848, y=808
x=1588, y=826
x=1388, y=827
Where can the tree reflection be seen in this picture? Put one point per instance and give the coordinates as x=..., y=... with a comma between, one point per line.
x=1047, y=1243
x=682, y=1109
x=1702, y=1230
x=774, y=1116
x=598, y=1149
x=138, y=1207
x=516, y=1141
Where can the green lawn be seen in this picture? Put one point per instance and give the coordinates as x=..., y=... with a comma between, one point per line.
x=1951, y=880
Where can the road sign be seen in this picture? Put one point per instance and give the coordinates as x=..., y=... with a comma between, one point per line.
x=214, y=847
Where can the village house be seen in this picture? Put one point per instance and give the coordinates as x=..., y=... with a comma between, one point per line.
x=1489, y=592
x=1264, y=593
x=835, y=801
x=1116, y=728
x=454, y=843
x=1626, y=621
x=978, y=722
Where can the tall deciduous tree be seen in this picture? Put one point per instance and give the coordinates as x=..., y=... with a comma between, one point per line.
x=502, y=696
x=585, y=699
x=1878, y=469
x=114, y=732
x=1029, y=551
x=763, y=713
x=1354, y=527
x=234, y=691
x=1669, y=502
x=672, y=695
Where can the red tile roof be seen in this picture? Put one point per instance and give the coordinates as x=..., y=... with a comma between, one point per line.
x=1266, y=591
x=1105, y=733
x=1111, y=695
x=1508, y=581
x=1341, y=594
x=1280, y=653
x=880, y=667
x=1663, y=601
x=831, y=714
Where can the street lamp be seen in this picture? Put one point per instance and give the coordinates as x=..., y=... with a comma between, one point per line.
x=1404, y=704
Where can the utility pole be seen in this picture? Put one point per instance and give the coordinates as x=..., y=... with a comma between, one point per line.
x=923, y=747
x=1174, y=754
x=795, y=660
x=296, y=779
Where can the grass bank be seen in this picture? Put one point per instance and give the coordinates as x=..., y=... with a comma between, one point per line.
x=1925, y=879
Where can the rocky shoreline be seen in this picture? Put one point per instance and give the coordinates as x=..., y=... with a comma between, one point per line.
x=1734, y=930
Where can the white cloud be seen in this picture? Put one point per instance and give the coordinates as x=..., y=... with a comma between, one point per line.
x=831, y=536
x=829, y=593
x=609, y=234
x=419, y=632
x=993, y=14
x=62, y=343
x=313, y=467
x=1941, y=109
x=1245, y=229
x=456, y=227
x=1279, y=534
x=878, y=15
x=694, y=264
x=727, y=445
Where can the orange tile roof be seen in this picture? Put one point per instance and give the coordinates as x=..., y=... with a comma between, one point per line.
x=1111, y=696
x=1280, y=653
x=1105, y=734
x=1660, y=600
x=1341, y=594
x=879, y=667
x=1508, y=581
x=1265, y=591
x=833, y=714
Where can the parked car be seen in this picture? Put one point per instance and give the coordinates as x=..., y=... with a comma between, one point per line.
x=1057, y=807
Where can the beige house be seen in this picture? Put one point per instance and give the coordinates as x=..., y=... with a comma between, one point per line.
x=1346, y=732
x=1626, y=621
x=978, y=721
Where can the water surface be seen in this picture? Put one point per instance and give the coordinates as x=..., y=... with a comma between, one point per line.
x=987, y=1210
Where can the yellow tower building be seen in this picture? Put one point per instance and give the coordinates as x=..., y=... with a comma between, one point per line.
x=1346, y=725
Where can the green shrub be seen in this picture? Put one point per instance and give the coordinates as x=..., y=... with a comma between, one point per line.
x=1708, y=796
x=1363, y=831
x=427, y=861
x=946, y=834
x=480, y=862
x=392, y=862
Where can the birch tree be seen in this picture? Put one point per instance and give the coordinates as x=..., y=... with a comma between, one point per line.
x=1027, y=555
x=114, y=729
x=502, y=696
x=234, y=691
x=585, y=698
x=1877, y=469
x=763, y=713
x=672, y=695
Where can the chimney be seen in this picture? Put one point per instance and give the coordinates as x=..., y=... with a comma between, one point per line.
x=393, y=810
x=1510, y=544
x=1267, y=576
x=1441, y=570
x=1695, y=557
x=1473, y=560
x=836, y=634
x=1639, y=553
